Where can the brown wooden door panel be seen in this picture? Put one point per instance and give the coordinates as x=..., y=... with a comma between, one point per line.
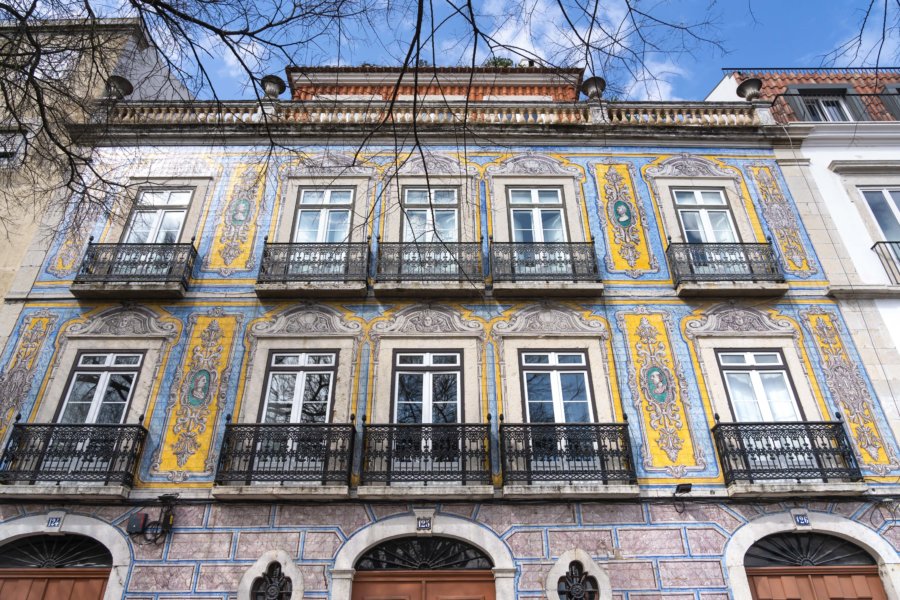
x=423, y=585
x=816, y=583
x=53, y=584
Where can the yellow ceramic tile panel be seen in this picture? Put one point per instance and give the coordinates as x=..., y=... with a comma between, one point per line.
x=232, y=247
x=16, y=380
x=622, y=220
x=782, y=221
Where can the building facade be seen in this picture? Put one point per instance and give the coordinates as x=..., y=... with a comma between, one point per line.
x=478, y=340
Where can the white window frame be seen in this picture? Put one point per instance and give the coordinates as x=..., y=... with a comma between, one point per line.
x=556, y=368
x=430, y=207
x=429, y=369
x=813, y=103
x=160, y=210
x=703, y=208
x=325, y=208
x=300, y=372
x=755, y=368
x=536, y=207
x=895, y=210
x=106, y=371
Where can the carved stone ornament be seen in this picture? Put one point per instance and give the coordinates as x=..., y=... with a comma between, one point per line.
x=434, y=165
x=330, y=163
x=728, y=320
x=687, y=165
x=306, y=319
x=426, y=320
x=126, y=321
x=550, y=319
x=533, y=164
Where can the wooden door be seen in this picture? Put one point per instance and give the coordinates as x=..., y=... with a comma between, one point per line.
x=53, y=584
x=816, y=583
x=424, y=585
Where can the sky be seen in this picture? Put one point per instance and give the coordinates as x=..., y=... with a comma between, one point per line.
x=753, y=33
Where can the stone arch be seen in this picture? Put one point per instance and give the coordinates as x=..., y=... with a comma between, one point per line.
x=742, y=539
x=288, y=567
x=112, y=538
x=604, y=585
x=405, y=525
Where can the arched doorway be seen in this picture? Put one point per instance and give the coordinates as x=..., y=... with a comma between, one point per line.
x=424, y=568
x=811, y=566
x=50, y=567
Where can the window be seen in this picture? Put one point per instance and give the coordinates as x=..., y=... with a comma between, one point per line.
x=885, y=206
x=430, y=215
x=556, y=387
x=323, y=216
x=704, y=217
x=758, y=386
x=100, y=388
x=826, y=104
x=427, y=387
x=537, y=215
x=158, y=216
x=299, y=387
x=825, y=108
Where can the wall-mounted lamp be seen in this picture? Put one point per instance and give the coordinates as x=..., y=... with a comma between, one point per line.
x=681, y=489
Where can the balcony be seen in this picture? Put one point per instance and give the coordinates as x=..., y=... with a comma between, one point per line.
x=567, y=455
x=889, y=255
x=448, y=459
x=558, y=268
x=54, y=454
x=313, y=270
x=315, y=457
x=135, y=271
x=725, y=270
x=451, y=268
x=786, y=454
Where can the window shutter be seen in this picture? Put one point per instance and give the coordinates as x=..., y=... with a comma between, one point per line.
x=857, y=108
x=795, y=101
x=890, y=97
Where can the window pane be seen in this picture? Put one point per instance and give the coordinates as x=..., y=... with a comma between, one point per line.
x=127, y=359
x=411, y=359
x=170, y=227
x=180, y=198
x=712, y=197
x=93, y=359
x=537, y=387
x=152, y=197
x=320, y=359
x=313, y=197
x=778, y=394
x=111, y=414
x=548, y=196
x=76, y=412
x=767, y=358
x=445, y=225
x=577, y=412
x=444, y=387
x=536, y=359
x=278, y=413
x=417, y=196
x=84, y=387
x=142, y=223
x=119, y=387
x=444, y=412
x=570, y=359
x=308, y=226
x=286, y=359
x=743, y=397
x=520, y=196
x=523, y=228
x=337, y=227
x=317, y=389
x=408, y=412
x=341, y=196
x=281, y=388
x=409, y=387
x=314, y=412
x=721, y=227
x=445, y=196
x=693, y=229
x=540, y=412
x=573, y=386
x=684, y=197
x=882, y=212
x=552, y=226
x=416, y=225
x=445, y=359
x=732, y=359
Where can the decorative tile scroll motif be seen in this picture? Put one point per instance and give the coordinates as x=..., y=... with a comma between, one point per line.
x=782, y=222
x=659, y=390
x=16, y=381
x=850, y=392
x=623, y=222
x=232, y=247
x=198, y=397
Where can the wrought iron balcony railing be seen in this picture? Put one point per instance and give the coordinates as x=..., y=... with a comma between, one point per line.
x=449, y=453
x=566, y=452
x=723, y=262
x=286, y=453
x=137, y=263
x=433, y=261
x=556, y=261
x=72, y=453
x=314, y=262
x=816, y=450
x=889, y=254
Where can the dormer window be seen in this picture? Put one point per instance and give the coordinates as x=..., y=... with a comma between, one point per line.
x=829, y=107
x=826, y=104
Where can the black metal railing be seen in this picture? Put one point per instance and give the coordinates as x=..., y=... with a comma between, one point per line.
x=557, y=261
x=286, y=453
x=566, y=452
x=72, y=453
x=723, y=262
x=131, y=263
x=457, y=453
x=314, y=262
x=816, y=450
x=889, y=254
x=412, y=261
